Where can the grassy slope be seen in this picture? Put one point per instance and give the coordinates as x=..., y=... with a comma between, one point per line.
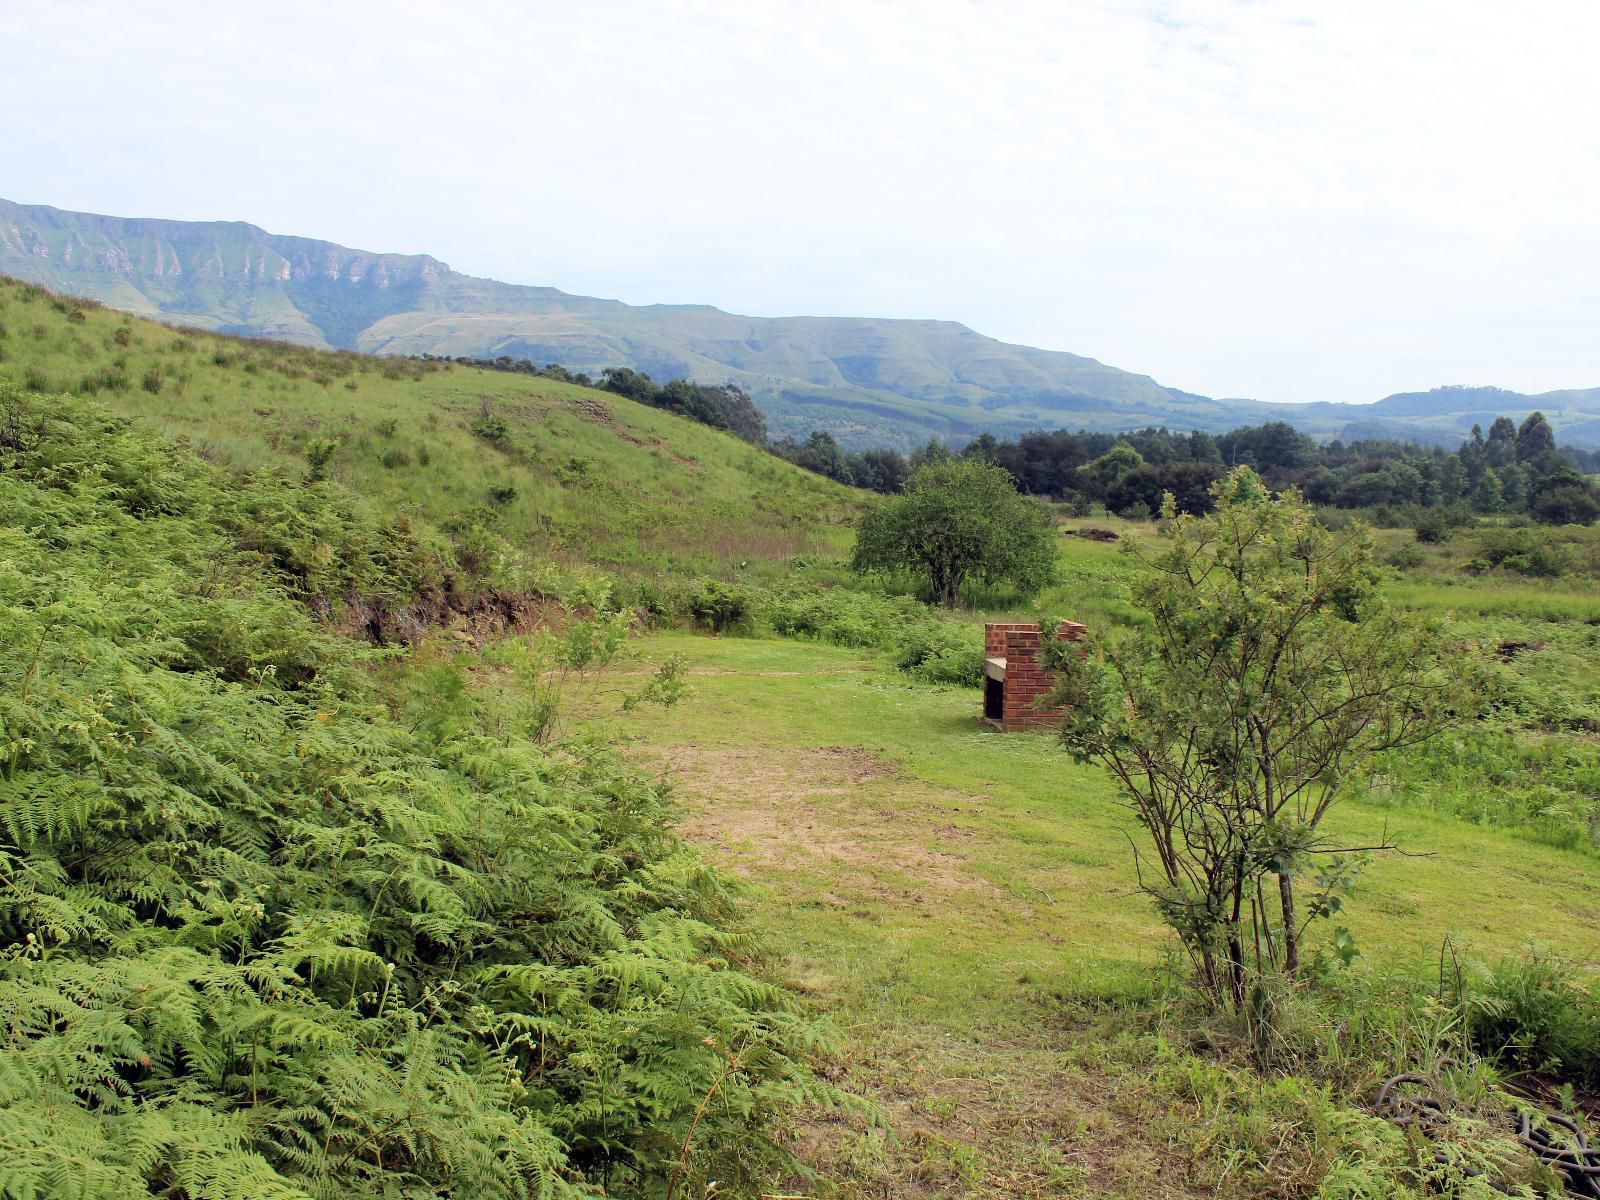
x=934, y=884
x=597, y=478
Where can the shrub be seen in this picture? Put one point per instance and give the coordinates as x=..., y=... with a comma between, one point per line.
x=103, y=379
x=1433, y=526
x=502, y=494
x=1407, y=555
x=924, y=644
x=319, y=454
x=941, y=652
x=1534, y=1013
x=151, y=381
x=720, y=607
x=1524, y=551
x=491, y=429
x=834, y=615
x=395, y=457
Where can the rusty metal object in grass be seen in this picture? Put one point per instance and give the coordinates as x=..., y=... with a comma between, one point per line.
x=1556, y=1141
x=1577, y=1162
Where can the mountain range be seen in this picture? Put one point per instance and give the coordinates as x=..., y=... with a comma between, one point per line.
x=867, y=381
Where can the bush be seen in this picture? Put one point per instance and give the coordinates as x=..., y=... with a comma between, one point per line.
x=395, y=457
x=941, y=652
x=319, y=454
x=491, y=429
x=1535, y=1014
x=657, y=603
x=1433, y=526
x=833, y=615
x=720, y=607
x=924, y=644
x=1407, y=556
x=1524, y=551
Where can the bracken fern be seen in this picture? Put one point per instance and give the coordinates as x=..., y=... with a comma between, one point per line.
x=260, y=937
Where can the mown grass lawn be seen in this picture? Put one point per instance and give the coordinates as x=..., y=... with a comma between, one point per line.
x=934, y=885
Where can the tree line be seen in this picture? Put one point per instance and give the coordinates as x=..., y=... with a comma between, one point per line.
x=1510, y=469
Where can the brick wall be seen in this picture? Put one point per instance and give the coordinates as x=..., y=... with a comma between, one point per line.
x=1027, y=682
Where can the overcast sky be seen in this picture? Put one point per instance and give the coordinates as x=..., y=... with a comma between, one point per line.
x=1289, y=200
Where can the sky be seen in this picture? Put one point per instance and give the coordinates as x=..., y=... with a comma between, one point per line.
x=1282, y=199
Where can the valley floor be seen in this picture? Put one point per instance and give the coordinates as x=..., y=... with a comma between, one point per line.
x=936, y=887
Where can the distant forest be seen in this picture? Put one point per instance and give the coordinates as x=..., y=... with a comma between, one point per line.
x=1512, y=468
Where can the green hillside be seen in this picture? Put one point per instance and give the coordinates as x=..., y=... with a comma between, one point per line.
x=557, y=471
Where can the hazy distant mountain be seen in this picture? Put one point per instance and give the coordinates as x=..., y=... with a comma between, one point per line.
x=868, y=381
x=1445, y=415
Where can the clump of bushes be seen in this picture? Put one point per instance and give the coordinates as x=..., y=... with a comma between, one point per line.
x=107, y=379
x=1524, y=551
x=941, y=652
x=720, y=607
x=1536, y=1013
x=1296, y=1118
x=1406, y=556
x=925, y=645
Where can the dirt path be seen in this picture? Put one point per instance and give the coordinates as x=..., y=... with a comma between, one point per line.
x=854, y=857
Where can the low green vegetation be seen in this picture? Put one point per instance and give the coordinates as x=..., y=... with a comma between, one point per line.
x=964, y=903
x=266, y=935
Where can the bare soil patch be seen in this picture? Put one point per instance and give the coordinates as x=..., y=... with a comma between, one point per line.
x=763, y=807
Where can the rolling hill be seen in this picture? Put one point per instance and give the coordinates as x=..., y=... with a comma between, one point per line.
x=867, y=381
x=559, y=472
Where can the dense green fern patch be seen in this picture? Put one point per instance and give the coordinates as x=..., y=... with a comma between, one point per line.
x=259, y=936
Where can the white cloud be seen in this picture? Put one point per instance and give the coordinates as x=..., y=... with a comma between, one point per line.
x=1294, y=200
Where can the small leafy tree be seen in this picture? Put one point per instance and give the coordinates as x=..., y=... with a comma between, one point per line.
x=319, y=454
x=1234, y=724
x=958, y=520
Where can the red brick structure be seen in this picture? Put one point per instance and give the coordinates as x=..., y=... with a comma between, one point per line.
x=1014, y=681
